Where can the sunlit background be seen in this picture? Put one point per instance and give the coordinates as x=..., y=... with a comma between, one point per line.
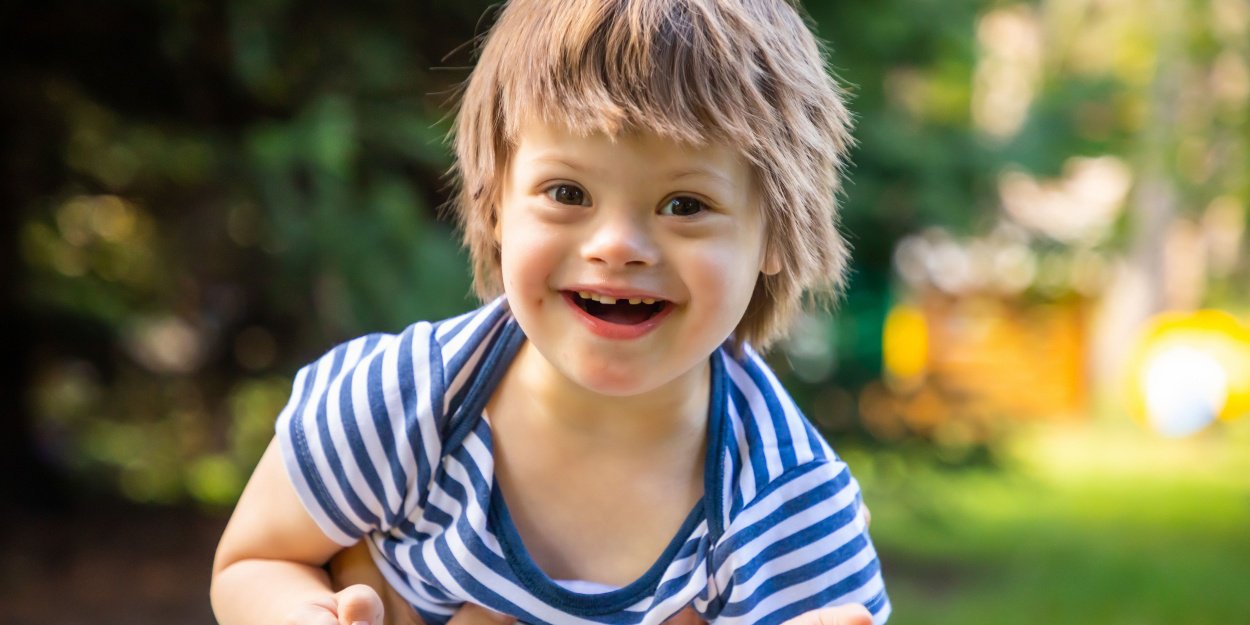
x=1040, y=372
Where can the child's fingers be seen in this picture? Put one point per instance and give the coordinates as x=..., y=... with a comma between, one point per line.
x=840, y=615
x=359, y=604
x=312, y=615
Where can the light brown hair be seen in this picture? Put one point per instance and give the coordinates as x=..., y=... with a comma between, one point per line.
x=746, y=72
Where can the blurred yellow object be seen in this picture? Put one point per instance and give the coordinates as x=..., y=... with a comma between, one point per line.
x=1189, y=369
x=905, y=348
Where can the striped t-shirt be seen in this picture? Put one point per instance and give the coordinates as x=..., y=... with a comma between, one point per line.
x=384, y=439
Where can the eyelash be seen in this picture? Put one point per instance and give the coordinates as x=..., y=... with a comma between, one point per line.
x=554, y=189
x=551, y=192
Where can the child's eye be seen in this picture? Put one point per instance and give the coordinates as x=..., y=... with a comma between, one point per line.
x=567, y=194
x=683, y=206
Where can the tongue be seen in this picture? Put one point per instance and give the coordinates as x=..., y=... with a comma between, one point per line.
x=624, y=314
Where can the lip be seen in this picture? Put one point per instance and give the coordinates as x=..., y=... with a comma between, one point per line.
x=618, y=293
x=615, y=331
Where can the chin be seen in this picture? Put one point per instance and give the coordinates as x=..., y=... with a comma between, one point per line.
x=614, y=380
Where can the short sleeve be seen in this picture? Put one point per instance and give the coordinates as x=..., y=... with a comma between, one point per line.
x=800, y=545
x=358, y=431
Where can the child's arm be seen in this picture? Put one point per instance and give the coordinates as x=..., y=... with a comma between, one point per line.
x=268, y=567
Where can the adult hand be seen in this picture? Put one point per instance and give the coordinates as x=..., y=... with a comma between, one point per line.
x=839, y=615
x=470, y=614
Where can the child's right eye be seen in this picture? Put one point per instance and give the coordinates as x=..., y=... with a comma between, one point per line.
x=567, y=194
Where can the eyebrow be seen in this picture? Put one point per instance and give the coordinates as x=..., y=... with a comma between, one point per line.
x=701, y=173
x=570, y=164
x=677, y=174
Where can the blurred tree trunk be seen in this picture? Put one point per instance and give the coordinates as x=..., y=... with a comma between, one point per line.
x=26, y=478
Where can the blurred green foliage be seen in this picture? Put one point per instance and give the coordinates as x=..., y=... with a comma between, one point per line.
x=1100, y=525
x=218, y=192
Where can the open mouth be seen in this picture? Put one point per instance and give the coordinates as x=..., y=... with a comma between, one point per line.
x=619, y=311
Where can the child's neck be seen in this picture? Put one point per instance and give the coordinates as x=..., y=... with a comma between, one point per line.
x=670, y=413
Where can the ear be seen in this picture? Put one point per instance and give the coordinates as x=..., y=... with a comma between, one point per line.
x=770, y=265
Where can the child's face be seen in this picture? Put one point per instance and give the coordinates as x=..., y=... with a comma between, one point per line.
x=640, y=218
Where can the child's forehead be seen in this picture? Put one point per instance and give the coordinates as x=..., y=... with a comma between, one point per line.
x=538, y=140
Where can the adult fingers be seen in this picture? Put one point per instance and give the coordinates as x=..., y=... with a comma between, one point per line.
x=685, y=617
x=839, y=615
x=472, y=614
x=359, y=604
x=867, y=514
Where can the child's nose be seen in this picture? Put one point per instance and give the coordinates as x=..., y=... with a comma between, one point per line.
x=620, y=241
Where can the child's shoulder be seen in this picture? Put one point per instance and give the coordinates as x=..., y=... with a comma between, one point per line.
x=437, y=351
x=774, y=440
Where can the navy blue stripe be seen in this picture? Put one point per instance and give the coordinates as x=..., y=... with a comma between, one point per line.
x=815, y=439
x=878, y=602
x=438, y=391
x=790, y=507
x=734, y=477
x=355, y=445
x=456, y=325
x=825, y=597
x=376, y=393
x=436, y=594
x=802, y=538
x=492, y=366
x=756, y=462
x=480, y=591
x=458, y=413
x=489, y=326
x=718, y=429
x=303, y=451
x=717, y=604
x=437, y=515
x=596, y=605
x=410, y=399
x=776, y=414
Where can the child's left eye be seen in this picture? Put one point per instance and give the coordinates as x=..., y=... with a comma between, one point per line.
x=683, y=207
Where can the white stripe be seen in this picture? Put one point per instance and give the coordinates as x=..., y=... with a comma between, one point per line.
x=746, y=474
x=798, y=557
x=811, y=587
x=399, y=429
x=326, y=390
x=758, y=510
x=453, y=345
x=762, y=419
x=375, y=447
x=444, y=328
x=293, y=463
x=431, y=444
x=794, y=421
x=675, y=602
x=361, y=414
x=401, y=582
x=881, y=617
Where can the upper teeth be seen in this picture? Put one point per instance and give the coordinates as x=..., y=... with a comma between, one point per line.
x=606, y=299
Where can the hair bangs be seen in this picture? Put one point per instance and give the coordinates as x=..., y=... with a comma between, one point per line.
x=625, y=67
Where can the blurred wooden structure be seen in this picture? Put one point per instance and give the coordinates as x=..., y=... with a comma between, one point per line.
x=985, y=361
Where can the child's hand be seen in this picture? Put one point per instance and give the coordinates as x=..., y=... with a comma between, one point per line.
x=839, y=615
x=354, y=605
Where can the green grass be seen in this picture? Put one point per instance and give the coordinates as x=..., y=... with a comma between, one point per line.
x=1093, y=524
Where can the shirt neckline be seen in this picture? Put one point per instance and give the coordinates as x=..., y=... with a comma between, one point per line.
x=499, y=355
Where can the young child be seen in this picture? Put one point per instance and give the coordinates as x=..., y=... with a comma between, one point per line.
x=647, y=189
